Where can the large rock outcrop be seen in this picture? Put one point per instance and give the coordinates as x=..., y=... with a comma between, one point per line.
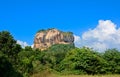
x=46, y=38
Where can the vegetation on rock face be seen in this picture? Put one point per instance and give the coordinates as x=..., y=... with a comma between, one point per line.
x=67, y=33
x=64, y=33
x=42, y=30
x=59, y=58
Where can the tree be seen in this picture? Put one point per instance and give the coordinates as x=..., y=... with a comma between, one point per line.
x=9, y=47
x=28, y=48
x=9, y=50
x=7, y=43
x=83, y=60
x=56, y=53
x=6, y=68
x=112, y=56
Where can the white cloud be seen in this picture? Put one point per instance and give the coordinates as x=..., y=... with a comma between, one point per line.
x=32, y=45
x=22, y=43
x=77, y=40
x=105, y=35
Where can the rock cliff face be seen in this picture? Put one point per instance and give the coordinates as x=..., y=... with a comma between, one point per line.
x=46, y=38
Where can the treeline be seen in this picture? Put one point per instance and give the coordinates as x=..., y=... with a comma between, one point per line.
x=16, y=61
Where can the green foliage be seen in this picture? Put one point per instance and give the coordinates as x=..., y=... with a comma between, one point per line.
x=61, y=58
x=25, y=62
x=50, y=28
x=6, y=68
x=112, y=56
x=61, y=48
x=28, y=48
x=42, y=30
x=56, y=53
x=67, y=34
x=7, y=43
x=83, y=60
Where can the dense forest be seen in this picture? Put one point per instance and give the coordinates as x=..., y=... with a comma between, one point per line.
x=16, y=61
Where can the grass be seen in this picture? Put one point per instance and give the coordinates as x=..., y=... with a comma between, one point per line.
x=90, y=76
x=55, y=75
x=47, y=73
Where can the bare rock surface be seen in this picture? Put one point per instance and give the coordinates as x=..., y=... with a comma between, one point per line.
x=46, y=38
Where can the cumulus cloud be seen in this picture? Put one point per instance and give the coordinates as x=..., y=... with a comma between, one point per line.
x=32, y=45
x=22, y=43
x=77, y=40
x=105, y=35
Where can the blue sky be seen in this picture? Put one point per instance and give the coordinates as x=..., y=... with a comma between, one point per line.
x=23, y=18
